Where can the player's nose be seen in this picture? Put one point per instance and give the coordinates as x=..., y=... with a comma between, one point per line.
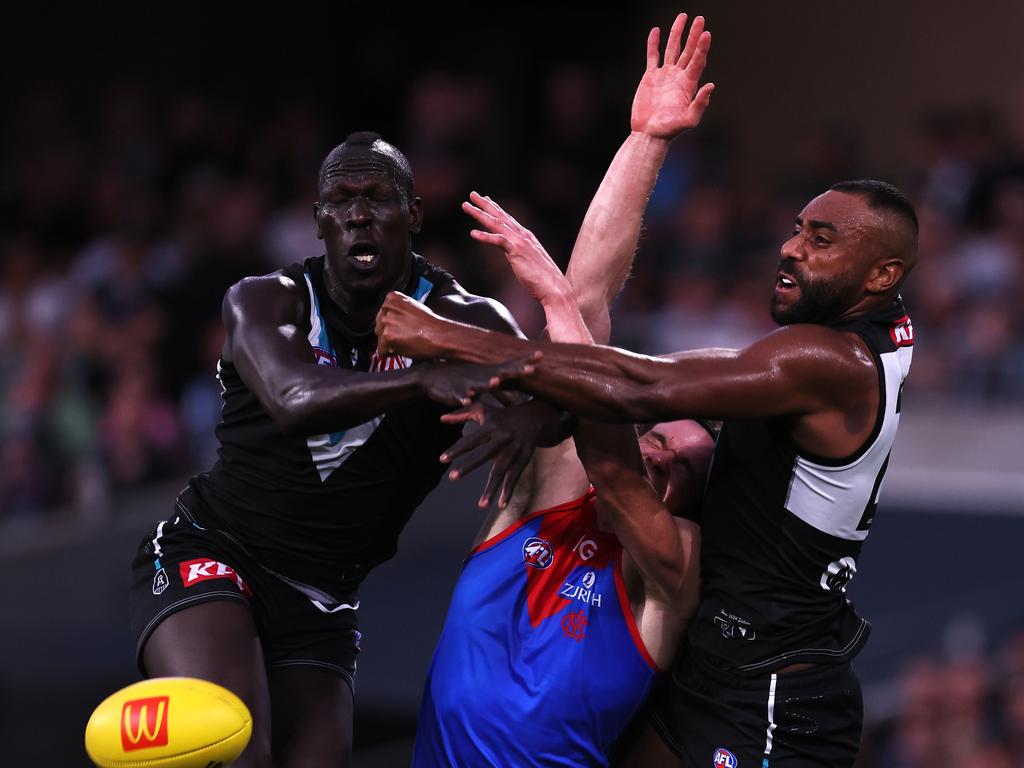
x=359, y=214
x=791, y=248
x=657, y=459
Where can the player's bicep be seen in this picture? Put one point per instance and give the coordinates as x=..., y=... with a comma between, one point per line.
x=265, y=341
x=791, y=372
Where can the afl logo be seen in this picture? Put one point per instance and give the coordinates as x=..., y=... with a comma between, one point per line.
x=537, y=552
x=725, y=759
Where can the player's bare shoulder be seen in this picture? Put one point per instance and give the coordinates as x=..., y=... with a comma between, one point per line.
x=274, y=298
x=836, y=365
x=464, y=307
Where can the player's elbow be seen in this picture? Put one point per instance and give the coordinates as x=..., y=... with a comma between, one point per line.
x=289, y=409
x=607, y=475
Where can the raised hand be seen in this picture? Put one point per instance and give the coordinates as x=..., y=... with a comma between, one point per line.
x=533, y=267
x=506, y=436
x=670, y=98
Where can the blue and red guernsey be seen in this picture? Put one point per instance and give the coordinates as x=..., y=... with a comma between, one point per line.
x=540, y=662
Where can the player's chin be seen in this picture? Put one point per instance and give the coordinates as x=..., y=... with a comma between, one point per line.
x=373, y=284
x=783, y=312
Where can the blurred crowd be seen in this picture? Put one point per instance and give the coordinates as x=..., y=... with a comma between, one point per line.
x=123, y=221
x=966, y=711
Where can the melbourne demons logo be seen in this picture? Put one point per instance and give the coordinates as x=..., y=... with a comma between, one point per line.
x=724, y=759
x=538, y=553
x=144, y=723
x=574, y=625
x=902, y=332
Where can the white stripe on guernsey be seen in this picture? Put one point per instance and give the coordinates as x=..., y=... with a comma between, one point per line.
x=833, y=499
x=314, y=316
x=156, y=540
x=771, y=717
x=343, y=607
x=329, y=457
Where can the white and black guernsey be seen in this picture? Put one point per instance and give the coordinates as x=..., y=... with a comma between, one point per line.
x=782, y=529
x=326, y=508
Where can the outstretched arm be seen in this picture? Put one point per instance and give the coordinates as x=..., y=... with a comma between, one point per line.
x=663, y=548
x=798, y=370
x=668, y=100
x=274, y=359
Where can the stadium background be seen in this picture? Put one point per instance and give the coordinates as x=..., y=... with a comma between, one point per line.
x=151, y=156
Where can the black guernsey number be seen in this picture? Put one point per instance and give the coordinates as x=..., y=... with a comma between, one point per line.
x=869, y=511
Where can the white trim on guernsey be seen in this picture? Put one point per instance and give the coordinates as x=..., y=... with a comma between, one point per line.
x=323, y=602
x=329, y=451
x=328, y=457
x=834, y=499
x=771, y=719
x=340, y=607
x=156, y=539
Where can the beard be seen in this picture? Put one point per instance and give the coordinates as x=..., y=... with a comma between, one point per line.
x=819, y=303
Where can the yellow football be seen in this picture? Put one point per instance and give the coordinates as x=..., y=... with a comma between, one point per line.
x=168, y=722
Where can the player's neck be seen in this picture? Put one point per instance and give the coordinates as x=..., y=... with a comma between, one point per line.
x=359, y=311
x=870, y=303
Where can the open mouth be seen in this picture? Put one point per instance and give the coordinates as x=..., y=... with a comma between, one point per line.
x=364, y=253
x=785, y=282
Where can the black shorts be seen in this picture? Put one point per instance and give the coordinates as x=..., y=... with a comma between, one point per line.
x=795, y=719
x=181, y=564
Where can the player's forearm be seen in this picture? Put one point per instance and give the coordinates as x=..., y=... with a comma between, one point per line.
x=592, y=381
x=319, y=399
x=640, y=521
x=563, y=318
x=608, y=237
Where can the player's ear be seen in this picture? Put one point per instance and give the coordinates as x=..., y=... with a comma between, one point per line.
x=885, y=275
x=415, y=215
x=316, y=218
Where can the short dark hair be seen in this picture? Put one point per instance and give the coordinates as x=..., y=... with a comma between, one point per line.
x=711, y=426
x=881, y=195
x=386, y=155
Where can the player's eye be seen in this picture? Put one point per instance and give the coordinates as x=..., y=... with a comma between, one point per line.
x=820, y=240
